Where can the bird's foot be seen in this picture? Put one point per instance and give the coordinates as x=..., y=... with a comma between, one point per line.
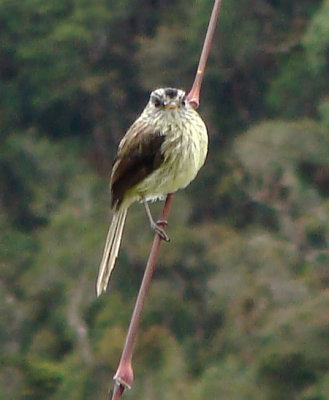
x=161, y=232
x=162, y=222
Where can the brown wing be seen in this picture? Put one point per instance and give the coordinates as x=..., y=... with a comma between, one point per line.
x=139, y=155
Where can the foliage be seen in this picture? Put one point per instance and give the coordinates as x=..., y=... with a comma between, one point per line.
x=238, y=306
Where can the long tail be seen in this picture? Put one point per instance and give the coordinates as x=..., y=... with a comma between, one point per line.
x=111, y=250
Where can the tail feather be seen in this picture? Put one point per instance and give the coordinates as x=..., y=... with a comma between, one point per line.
x=111, y=249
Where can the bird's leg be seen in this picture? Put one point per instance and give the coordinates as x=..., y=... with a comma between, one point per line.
x=155, y=225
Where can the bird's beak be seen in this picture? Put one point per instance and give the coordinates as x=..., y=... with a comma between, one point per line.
x=172, y=105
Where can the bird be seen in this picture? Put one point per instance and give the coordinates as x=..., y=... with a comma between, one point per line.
x=162, y=151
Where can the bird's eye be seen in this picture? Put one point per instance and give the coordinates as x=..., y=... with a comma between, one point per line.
x=184, y=101
x=156, y=102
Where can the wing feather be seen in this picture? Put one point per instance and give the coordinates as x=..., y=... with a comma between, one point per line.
x=138, y=156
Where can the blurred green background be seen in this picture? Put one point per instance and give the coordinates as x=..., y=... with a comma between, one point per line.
x=239, y=305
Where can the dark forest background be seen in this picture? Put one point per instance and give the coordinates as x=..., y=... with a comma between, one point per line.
x=239, y=306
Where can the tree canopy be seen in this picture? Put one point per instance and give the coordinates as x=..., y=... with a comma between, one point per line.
x=238, y=308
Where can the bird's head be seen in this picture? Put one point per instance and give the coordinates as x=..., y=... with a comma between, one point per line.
x=168, y=99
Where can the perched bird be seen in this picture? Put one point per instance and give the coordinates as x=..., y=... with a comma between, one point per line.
x=161, y=152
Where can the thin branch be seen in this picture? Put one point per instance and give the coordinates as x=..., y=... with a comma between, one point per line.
x=194, y=95
x=124, y=375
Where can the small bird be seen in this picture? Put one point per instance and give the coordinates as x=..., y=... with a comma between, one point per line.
x=161, y=152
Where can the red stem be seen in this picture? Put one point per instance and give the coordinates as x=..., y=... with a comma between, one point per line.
x=194, y=94
x=124, y=375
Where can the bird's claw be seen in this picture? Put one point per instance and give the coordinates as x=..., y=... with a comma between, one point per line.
x=161, y=232
x=162, y=222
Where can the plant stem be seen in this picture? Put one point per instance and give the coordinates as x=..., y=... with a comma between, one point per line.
x=194, y=94
x=124, y=375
